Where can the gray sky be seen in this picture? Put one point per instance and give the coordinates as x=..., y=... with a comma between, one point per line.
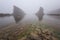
x=29, y=6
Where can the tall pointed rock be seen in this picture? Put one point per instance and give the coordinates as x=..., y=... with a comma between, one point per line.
x=18, y=14
x=40, y=13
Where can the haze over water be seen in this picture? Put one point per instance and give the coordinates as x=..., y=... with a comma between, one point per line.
x=30, y=7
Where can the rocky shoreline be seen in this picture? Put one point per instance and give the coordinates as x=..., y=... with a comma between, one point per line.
x=27, y=32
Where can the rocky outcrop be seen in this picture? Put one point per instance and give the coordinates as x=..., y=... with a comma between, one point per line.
x=40, y=13
x=18, y=14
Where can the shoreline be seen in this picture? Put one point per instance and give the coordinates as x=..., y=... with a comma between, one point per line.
x=3, y=15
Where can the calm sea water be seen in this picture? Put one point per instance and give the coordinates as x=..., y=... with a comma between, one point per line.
x=50, y=20
x=6, y=20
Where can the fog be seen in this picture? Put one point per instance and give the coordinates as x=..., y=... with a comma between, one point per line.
x=29, y=6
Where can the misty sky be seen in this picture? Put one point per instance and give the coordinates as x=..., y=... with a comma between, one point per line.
x=29, y=6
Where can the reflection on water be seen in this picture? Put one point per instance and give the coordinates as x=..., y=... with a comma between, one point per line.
x=29, y=19
x=50, y=20
x=6, y=20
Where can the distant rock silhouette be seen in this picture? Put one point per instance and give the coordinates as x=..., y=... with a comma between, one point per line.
x=18, y=14
x=40, y=13
x=55, y=12
x=3, y=15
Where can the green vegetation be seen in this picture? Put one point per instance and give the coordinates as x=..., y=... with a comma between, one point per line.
x=57, y=34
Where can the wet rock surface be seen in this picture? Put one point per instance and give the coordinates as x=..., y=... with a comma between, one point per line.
x=27, y=32
x=40, y=34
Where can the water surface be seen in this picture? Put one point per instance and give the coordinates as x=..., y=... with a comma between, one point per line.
x=6, y=20
x=53, y=21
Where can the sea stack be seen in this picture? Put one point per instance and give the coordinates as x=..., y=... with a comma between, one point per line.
x=40, y=13
x=18, y=14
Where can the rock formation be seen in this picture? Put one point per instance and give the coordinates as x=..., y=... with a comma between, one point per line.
x=18, y=14
x=40, y=13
